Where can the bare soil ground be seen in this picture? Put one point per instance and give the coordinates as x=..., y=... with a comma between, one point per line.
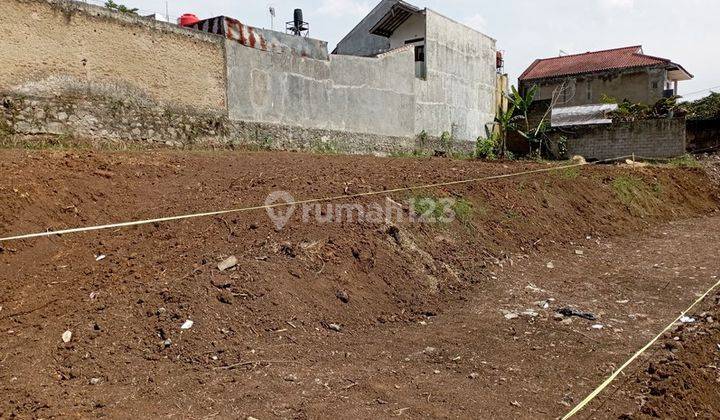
x=442, y=320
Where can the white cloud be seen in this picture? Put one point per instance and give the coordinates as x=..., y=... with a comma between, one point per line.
x=477, y=22
x=344, y=8
x=618, y=4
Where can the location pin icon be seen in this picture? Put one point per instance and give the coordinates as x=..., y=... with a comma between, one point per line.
x=278, y=213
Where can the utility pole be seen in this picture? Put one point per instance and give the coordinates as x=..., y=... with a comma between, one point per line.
x=272, y=18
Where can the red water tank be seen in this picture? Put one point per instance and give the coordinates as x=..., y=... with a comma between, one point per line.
x=188, y=19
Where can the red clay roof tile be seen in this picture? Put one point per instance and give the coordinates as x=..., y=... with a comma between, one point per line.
x=619, y=58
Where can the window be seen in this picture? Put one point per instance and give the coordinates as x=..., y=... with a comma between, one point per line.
x=420, y=54
x=419, y=49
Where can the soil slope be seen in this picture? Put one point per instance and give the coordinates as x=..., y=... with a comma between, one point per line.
x=321, y=319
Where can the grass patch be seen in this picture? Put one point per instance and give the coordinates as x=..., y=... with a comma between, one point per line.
x=639, y=197
x=442, y=210
x=684, y=161
x=569, y=173
x=414, y=154
x=325, y=148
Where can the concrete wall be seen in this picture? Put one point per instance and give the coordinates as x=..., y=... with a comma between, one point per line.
x=46, y=43
x=458, y=96
x=638, y=86
x=659, y=138
x=355, y=94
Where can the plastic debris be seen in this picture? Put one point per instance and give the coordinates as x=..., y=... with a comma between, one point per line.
x=578, y=313
x=100, y=257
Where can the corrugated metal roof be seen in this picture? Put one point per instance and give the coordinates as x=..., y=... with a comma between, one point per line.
x=582, y=115
x=615, y=59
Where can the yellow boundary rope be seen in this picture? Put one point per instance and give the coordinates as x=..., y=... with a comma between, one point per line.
x=615, y=374
x=309, y=201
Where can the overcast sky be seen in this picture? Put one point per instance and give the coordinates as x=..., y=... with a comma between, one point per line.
x=686, y=31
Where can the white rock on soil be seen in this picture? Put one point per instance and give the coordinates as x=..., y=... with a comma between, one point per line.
x=67, y=336
x=228, y=264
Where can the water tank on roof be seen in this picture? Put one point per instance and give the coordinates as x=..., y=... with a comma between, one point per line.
x=188, y=19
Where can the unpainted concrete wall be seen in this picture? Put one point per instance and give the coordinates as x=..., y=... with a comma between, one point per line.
x=638, y=86
x=355, y=94
x=458, y=96
x=48, y=41
x=661, y=138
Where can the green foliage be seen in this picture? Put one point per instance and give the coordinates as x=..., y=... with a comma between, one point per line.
x=423, y=138
x=685, y=161
x=463, y=210
x=325, y=148
x=417, y=153
x=487, y=148
x=629, y=111
x=446, y=141
x=707, y=108
x=441, y=209
x=110, y=4
x=570, y=173
x=636, y=194
x=5, y=129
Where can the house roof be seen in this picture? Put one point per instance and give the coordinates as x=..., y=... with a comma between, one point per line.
x=398, y=14
x=598, y=61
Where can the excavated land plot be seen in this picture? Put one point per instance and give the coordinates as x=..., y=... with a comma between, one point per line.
x=434, y=320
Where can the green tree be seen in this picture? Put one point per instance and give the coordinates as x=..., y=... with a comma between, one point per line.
x=110, y=4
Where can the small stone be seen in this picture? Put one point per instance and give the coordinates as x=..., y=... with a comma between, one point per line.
x=335, y=327
x=511, y=315
x=95, y=381
x=67, y=336
x=167, y=343
x=186, y=325
x=598, y=327
x=343, y=296
x=579, y=252
x=530, y=313
x=474, y=375
x=161, y=311
x=550, y=265
x=290, y=378
x=228, y=264
x=558, y=317
x=437, y=372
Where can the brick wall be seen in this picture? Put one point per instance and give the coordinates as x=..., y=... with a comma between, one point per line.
x=660, y=138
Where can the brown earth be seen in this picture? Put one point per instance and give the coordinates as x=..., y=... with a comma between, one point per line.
x=420, y=307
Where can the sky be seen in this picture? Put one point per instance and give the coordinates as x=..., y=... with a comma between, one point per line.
x=684, y=31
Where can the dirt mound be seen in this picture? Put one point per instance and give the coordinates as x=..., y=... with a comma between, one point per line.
x=125, y=293
x=680, y=380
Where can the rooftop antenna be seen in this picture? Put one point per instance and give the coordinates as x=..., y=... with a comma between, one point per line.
x=272, y=17
x=298, y=26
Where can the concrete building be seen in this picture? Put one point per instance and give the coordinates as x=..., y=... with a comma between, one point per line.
x=455, y=66
x=401, y=72
x=622, y=73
